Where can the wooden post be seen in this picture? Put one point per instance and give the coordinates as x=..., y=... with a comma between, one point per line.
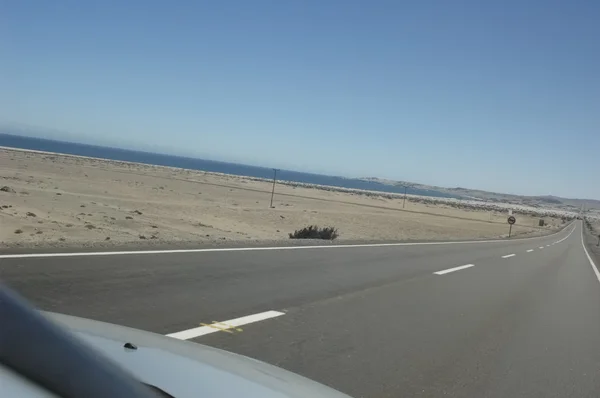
x=273, y=190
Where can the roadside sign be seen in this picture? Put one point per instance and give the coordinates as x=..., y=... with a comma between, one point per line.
x=511, y=221
x=510, y=212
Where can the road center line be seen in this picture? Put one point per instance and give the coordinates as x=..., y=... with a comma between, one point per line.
x=529, y=251
x=509, y=255
x=447, y=271
x=224, y=326
x=541, y=247
x=566, y=236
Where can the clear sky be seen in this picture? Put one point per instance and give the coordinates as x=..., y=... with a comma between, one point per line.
x=496, y=95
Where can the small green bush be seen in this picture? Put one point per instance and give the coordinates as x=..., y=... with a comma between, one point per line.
x=314, y=232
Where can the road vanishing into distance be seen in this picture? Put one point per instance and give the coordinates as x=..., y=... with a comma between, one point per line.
x=518, y=318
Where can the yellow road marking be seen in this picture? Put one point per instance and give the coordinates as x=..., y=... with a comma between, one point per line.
x=210, y=325
x=223, y=327
x=228, y=326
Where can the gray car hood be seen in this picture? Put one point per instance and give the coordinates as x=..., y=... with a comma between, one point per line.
x=185, y=369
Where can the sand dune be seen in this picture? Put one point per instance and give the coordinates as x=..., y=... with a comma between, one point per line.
x=55, y=200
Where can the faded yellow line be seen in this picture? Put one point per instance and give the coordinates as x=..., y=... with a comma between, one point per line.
x=210, y=325
x=221, y=326
x=228, y=326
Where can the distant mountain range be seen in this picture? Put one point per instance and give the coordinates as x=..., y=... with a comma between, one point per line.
x=544, y=200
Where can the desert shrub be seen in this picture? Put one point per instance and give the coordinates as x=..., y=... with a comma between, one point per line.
x=314, y=232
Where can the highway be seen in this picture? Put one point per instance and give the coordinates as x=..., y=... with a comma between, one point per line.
x=518, y=318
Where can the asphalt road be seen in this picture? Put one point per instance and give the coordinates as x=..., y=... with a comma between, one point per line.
x=517, y=318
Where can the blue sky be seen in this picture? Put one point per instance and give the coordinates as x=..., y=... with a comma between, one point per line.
x=502, y=96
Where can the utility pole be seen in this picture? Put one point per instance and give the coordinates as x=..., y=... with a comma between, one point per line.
x=273, y=190
x=404, y=203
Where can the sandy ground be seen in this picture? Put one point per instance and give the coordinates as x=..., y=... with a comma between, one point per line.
x=54, y=200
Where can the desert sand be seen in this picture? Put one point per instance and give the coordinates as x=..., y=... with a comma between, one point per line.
x=51, y=200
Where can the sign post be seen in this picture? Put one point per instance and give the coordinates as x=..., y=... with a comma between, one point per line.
x=273, y=190
x=511, y=221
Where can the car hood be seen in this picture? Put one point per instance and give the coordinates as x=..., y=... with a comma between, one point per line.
x=185, y=369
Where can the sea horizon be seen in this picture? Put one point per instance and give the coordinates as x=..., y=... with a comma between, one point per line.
x=158, y=159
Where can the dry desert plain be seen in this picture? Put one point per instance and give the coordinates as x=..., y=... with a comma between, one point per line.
x=51, y=200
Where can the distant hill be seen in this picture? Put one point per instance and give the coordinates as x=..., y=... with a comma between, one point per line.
x=543, y=200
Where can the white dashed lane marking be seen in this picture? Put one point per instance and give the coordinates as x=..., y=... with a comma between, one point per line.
x=225, y=326
x=447, y=271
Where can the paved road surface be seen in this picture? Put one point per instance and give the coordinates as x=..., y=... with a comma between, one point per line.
x=374, y=321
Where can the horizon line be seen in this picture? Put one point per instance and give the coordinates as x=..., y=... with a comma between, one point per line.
x=377, y=179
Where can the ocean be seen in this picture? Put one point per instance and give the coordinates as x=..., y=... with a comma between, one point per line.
x=40, y=144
